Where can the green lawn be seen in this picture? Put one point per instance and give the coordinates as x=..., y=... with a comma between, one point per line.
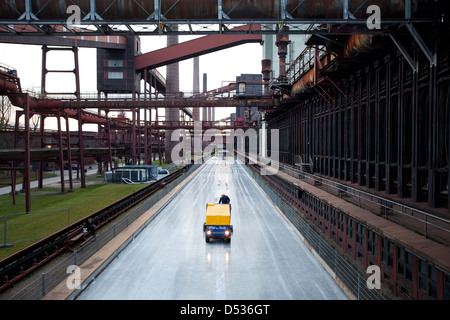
x=50, y=211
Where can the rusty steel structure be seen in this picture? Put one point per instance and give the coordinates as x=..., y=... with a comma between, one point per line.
x=366, y=107
x=136, y=138
x=109, y=17
x=383, y=125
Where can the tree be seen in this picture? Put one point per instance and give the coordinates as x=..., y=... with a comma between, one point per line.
x=5, y=112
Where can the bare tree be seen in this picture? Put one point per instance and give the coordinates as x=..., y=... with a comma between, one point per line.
x=35, y=122
x=5, y=112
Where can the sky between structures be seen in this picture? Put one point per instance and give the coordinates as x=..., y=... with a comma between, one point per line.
x=221, y=67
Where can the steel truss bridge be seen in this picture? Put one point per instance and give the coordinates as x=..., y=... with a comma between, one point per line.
x=112, y=17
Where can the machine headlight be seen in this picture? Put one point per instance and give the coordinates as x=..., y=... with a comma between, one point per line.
x=208, y=232
x=227, y=233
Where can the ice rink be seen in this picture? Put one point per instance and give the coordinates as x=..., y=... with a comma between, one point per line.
x=170, y=259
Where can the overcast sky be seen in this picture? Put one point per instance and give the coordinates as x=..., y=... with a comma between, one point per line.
x=221, y=67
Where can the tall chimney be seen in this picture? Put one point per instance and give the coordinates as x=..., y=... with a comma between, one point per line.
x=196, y=87
x=172, y=91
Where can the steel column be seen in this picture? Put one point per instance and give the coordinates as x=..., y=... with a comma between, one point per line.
x=108, y=131
x=27, y=162
x=353, y=134
x=133, y=136
x=368, y=129
x=61, y=153
x=69, y=153
x=361, y=132
x=377, y=130
x=433, y=189
x=415, y=184
x=77, y=73
x=42, y=144
x=389, y=128
x=81, y=147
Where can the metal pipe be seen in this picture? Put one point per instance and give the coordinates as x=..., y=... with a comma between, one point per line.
x=266, y=71
x=282, y=43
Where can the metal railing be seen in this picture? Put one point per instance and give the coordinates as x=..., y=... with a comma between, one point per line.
x=348, y=275
x=41, y=284
x=304, y=62
x=425, y=223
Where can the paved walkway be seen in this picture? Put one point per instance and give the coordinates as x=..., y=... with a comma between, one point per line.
x=48, y=181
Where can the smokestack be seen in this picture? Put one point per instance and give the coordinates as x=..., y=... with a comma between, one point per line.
x=196, y=88
x=172, y=91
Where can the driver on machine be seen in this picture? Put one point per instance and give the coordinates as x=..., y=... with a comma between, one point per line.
x=224, y=199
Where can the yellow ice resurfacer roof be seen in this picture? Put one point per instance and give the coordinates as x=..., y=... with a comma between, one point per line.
x=217, y=214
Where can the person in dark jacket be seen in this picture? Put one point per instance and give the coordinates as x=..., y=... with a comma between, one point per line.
x=224, y=199
x=89, y=226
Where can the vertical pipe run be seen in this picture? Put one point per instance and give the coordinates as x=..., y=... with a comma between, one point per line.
x=266, y=69
x=205, y=89
x=282, y=42
x=61, y=153
x=41, y=164
x=44, y=68
x=69, y=153
x=27, y=160
x=81, y=147
x=76, y=72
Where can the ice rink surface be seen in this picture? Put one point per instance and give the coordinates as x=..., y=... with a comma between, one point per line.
x=170, y=259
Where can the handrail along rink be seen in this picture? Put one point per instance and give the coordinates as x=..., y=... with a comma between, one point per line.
x=345, y=231
x=27, y=260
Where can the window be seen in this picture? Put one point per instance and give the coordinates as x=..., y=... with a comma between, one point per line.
x=320, y=208
x=427, y=278
x=115, y=63
x=350, y=228
x=333, y=217
x=404, y=263
x=360, y=234
x=372, y=242
x=115, y=75
x=387, y=252
x=327, y=214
